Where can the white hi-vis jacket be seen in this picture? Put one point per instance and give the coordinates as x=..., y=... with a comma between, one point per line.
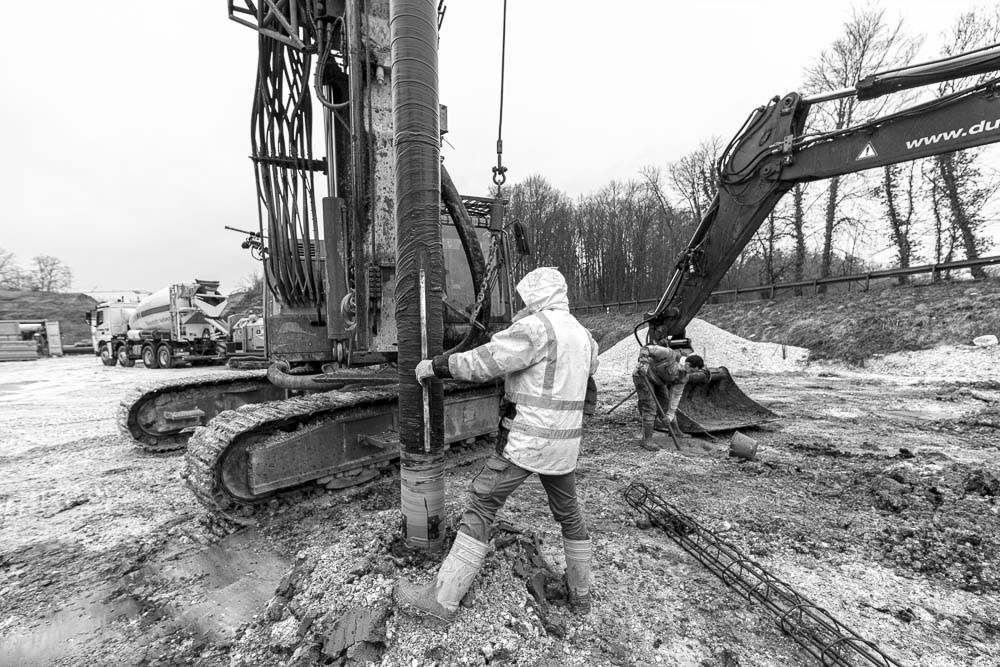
x=546, y=357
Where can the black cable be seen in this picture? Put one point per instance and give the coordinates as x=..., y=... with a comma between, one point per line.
x=323, y=40
x=500, y=171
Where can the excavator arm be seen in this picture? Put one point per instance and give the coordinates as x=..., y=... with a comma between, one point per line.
x=772, y=153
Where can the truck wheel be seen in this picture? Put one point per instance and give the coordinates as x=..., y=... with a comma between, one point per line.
x=123, y=358
x=107, y=358
x=149, y=357
x=164, y=357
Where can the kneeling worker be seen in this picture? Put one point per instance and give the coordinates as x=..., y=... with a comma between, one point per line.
x=659, y=380
x=546, y=358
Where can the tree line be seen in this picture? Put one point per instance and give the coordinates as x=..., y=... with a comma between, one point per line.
x=45, y=273
x=620, y=243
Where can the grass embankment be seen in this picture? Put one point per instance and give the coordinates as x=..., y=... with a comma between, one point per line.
x=67, y=308
x=850, y=327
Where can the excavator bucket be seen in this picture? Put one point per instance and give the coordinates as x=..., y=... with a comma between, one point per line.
x=713, y=402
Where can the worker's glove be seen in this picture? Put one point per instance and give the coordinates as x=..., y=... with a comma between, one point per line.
x=424, y=370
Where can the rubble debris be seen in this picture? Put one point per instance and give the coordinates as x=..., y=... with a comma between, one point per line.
x=356, y=631
x=983, y=483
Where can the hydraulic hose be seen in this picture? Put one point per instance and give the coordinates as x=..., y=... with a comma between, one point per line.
x=473, y=254
x=279, y=374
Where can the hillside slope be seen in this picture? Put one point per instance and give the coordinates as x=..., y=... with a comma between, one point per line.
x=850, y=327
x=68, y=308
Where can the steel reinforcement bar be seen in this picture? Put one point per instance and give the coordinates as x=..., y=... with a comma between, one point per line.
x=811, y=626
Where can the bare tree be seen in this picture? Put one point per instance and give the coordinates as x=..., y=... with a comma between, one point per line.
x=897, y=191
x=958, y=178
x=11, y=275
x=694, y=176
x=253, y=282
x=549, y=216
x=49, y=274
x=653, y=179
x=945, y=240
x=768, y=240
x=868, y=45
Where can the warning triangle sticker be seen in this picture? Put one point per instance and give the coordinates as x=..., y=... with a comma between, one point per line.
x=869, y=151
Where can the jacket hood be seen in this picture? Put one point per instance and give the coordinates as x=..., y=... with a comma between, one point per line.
x=544, y=289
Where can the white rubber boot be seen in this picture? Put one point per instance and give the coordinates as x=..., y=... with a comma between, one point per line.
x=578, y=554
x=440, y=597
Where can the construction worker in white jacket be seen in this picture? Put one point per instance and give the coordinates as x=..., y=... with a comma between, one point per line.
x=547, y=359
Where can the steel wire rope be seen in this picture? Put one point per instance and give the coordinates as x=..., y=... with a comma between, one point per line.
x=500, y=171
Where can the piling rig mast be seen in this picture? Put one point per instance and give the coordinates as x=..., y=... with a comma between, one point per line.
x=327, y=411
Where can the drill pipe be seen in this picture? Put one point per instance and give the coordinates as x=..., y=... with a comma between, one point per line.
x=812, y=627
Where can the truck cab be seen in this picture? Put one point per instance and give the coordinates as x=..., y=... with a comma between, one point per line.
x=108, y=321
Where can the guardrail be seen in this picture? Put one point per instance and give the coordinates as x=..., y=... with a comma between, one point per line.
x=718, y=296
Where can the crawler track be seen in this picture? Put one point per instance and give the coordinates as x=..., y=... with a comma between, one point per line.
x=139, y=411
x=215, y=452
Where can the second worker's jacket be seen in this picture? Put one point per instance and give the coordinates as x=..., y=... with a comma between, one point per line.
x=661, y=365
x=546, y=357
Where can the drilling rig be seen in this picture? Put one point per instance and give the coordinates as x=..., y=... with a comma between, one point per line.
x=323, y=146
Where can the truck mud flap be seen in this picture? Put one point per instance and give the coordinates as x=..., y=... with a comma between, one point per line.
x=716, y=403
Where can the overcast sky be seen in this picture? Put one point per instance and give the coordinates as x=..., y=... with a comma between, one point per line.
x=126, y=126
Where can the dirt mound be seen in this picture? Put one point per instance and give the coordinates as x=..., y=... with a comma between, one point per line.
x=67, y=308
x=717, y=347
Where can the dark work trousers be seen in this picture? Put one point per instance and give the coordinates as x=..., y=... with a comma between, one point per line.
x=499, y=478
x=647, y=401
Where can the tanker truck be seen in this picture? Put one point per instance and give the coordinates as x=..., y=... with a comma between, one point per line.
x=177, y=325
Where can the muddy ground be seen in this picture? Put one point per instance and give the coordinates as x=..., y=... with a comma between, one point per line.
x=875, y=496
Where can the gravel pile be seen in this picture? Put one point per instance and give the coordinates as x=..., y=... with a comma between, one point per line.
x=717, y=346
x=945, y=363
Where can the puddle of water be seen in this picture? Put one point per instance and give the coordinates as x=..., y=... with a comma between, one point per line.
x=64, y=634
x=211, y=592
x=236, y=576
